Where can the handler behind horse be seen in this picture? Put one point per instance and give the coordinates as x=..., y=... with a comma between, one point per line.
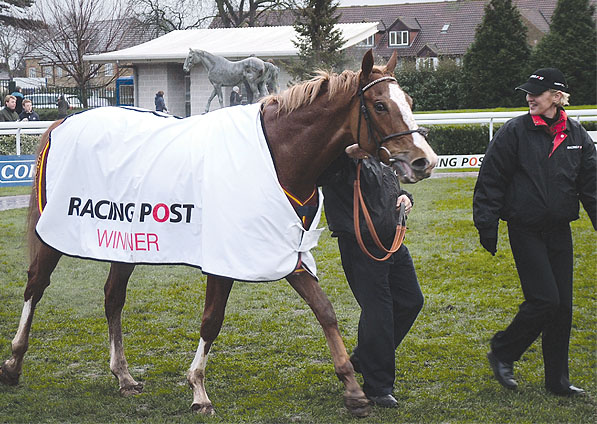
x=387, y=291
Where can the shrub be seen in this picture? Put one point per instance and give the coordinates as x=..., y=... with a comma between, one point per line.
x=28, y=144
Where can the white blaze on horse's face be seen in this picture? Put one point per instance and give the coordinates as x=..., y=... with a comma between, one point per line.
x=406, y=175
x=398, y=96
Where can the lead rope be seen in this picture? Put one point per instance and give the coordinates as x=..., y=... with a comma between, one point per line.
x=400, y=228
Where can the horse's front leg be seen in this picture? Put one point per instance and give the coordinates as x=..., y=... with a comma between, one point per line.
x=354, y=397
x=115, y=296
x=40, y=269
x=216, y=297
x=211, y=97
x=220, y=96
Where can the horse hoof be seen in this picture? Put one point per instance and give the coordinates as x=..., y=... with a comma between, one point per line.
x=358, y=406
x=133, y=390
x=203, y=409
x=7, y=377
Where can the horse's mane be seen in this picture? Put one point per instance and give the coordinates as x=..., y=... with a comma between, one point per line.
x=306, y=92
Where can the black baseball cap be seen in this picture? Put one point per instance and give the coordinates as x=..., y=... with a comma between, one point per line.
x=543, y=79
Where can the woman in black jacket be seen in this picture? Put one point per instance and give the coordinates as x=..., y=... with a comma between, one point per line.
x=536, y=169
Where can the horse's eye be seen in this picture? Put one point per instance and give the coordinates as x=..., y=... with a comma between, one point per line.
x=379, y=107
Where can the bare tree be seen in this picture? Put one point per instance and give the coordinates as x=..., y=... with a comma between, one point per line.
x=239, y=13
x=74, y=28
x=15, y=43
x=163, y=16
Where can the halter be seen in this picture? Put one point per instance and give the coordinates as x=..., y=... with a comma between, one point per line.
x=373, y=132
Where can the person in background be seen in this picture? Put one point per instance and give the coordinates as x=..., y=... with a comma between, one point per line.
x=160, y=104
x=8, y=113
x=63, y=107
x=387, y=292
x=536, y=169
x=28, y=114
x=19, y=96
x=235, y=97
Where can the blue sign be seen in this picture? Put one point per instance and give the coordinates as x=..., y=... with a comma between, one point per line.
x=17, y=170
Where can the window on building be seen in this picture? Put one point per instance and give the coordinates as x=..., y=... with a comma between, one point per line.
x=109, y=69
x=445, y=28
x=32, y=72
x=427, y=62
x=58, y=72
x=398, y=38
x=368, y=42
x=47, y=72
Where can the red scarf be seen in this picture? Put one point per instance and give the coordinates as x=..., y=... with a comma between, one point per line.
x=556, y=130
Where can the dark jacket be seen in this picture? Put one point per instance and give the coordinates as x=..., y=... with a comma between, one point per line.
x=7, y=115
x=20, y=98
x=63, y=107
x=380, y=188
x=235, y=98
x=31, y=116
x=160, y=104
x=521, y=184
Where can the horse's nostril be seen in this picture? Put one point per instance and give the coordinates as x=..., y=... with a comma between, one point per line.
x=420, y=164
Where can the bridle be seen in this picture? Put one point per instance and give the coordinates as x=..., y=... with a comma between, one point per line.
x=373, y=132
x=358, y=201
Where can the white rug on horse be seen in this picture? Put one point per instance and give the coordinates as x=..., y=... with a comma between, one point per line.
x=133, y=186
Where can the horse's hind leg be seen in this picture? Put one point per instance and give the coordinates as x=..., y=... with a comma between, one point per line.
x=115, y=296
x=216, y=297
x=354, y=398
x=40, y=269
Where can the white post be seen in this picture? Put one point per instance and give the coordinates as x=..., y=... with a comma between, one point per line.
x=490, y=129
x=18, y=141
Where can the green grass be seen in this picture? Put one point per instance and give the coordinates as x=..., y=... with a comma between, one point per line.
x=15, y=190
x=271, y=363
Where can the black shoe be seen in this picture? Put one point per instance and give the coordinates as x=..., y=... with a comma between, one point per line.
x=502, y=371
x=568, y=391
x=355, y=363
x=385, y=401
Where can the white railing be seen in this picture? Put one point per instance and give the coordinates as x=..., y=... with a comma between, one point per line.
x=491, y=117
x=39, y=127
x=23, y=127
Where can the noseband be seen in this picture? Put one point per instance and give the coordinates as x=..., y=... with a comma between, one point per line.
x=374, y=132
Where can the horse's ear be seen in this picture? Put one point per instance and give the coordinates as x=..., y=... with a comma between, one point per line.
x=391, y=65
x=354, y=151
x=367, y=64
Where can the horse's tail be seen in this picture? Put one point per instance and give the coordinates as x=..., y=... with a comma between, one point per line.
x=32, y=240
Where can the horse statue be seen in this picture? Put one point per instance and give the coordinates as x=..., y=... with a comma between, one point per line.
x=268, y=83
x=222, y=72
x=168, y=193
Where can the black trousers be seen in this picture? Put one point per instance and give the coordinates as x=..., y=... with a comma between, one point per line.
x=544, y=263
x=390, y=299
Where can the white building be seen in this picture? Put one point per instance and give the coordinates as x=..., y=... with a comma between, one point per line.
x=157, y=64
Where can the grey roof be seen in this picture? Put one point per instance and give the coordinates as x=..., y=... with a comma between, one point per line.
x=427, y=20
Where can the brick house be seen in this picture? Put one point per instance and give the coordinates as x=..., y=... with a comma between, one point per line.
x=426, y=32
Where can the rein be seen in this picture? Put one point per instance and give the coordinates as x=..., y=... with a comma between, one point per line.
x=358, y=201
x=371, y=131
x=400, y=228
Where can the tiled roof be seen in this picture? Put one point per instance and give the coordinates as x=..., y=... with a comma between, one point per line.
x=428, y=19
x=463, y=16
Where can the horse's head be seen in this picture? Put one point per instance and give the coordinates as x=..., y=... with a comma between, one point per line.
x=192, y=59
x=386, y=127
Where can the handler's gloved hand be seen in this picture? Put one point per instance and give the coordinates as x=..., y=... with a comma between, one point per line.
x=488, y=237
x=489, y=243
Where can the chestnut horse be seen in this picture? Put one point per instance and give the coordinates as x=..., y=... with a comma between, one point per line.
x=307, y=126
